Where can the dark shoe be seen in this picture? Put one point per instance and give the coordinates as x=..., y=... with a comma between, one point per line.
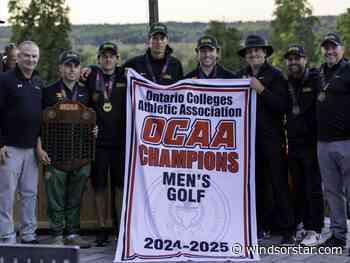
x=263, y=235
x=31, y=242
x=288, y=240
x=102, y=237
x=77, y=241
x=333, y=242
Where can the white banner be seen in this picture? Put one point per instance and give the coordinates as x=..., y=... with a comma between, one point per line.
x=189, y=190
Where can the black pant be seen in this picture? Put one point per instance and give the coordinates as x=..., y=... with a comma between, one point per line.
x=108, y=162
x=274, y=210
x=308, y=197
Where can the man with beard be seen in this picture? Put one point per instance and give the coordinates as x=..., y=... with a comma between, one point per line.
x=157, y=65
x=20, y=116
x=106, y=83
x=333, y=147
x=303, y=86
x=208, y=54
x=271, y=171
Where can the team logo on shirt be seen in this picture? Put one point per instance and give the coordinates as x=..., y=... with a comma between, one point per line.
x=59, y=96
x=167, y=76
x=19, y=85
x=307, y=89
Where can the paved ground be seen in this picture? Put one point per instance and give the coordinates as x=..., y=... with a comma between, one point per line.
x=106, y=254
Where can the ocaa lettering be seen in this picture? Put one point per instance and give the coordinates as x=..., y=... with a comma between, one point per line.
x=178, y=132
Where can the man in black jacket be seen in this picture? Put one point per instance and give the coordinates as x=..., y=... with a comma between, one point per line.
x=271, y=170
x=157, y=65
x=333, y=147
x=107, y=86
x=208, y=54
x=20, y=117
x=303, y=84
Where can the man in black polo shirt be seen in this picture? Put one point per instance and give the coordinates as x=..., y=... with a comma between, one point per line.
x=106, y=84
x=64, y=190
x=303, y=84
x=208, y=54
x=157, y=65
x=333, y=147
x=20, y=116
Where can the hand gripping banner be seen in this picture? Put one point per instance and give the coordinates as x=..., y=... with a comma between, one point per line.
x=189, y=190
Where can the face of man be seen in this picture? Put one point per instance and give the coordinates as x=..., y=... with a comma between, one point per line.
x=255, y=56
x=157, y=44
x=11, y=59
x=70, y=71
x=108, y=61
x=296, y=64
x=332, y=53
x=28, y=57
x=207, y=56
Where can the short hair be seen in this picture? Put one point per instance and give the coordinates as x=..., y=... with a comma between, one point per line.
x=27, y=43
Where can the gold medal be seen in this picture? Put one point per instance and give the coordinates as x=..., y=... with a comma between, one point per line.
x=107, y=107
x=322, y=96
x=296, y=110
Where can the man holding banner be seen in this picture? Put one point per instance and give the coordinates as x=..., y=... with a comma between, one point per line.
x=271, y=170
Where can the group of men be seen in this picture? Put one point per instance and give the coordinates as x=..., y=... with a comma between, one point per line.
x=309, y=105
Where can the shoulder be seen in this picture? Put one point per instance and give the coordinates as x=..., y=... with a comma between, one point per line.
x=134, y=61
x=191, y=75
x=225, y=72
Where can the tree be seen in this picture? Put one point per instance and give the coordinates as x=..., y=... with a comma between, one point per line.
x=293, y=23
x=343, y=27
x=229, y=41
x=46, y=22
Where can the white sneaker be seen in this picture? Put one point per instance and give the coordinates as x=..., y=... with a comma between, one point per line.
x=312, y=238
x=300, y=234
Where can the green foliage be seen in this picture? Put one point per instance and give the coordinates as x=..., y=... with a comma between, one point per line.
x=343, y=27
x=293, y=24
x=229, y=40
x=45, y=22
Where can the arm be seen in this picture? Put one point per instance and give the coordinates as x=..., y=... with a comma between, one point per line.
x=276, y=96
x=42, y=155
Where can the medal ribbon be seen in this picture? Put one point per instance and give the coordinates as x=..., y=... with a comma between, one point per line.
x=292, y=93
x=64, y=94
x=107, y=93
x=150, y=70
x=325, y=84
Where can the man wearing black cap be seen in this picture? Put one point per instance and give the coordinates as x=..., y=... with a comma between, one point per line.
x=271, y=168
x=157, y=65
x=333, y=147
x=20, y=116
x=208, y=54
x=64, y=190
x=303, y=86
x=106, y=84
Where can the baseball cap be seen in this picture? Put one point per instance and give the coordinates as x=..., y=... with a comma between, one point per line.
x=158, y=28
x=108, y=46
x=333, y=38
x=295, y=49
x=69, y=56
x=207, y=41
